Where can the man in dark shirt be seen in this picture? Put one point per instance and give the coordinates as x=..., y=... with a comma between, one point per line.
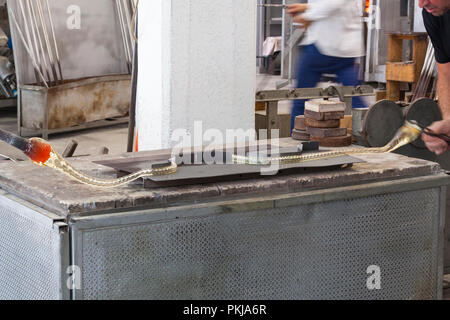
x=436, y=15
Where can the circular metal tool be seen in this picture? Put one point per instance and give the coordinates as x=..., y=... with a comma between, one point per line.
x=424, y=111
x=381, y=123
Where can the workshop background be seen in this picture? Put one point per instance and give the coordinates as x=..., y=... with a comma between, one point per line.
x=109, y=82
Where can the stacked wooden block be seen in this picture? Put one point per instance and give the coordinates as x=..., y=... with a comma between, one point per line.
x=321, y=122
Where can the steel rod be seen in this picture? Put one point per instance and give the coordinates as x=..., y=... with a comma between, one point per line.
x=35, y=42
x=58, y=60
x=124, y=30
x=28, y=37
x=47, y=40
x=129, y=27
x=44, y=58
x=26, y=47
x=126, y=27
x=134, y=76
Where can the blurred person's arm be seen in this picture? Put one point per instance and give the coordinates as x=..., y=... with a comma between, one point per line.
x=297, y=8
x=323, y=9
x=305, y=14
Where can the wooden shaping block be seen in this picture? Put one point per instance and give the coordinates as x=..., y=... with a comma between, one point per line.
x=325, y=106
x=260, y=106
x=300, y=123
x=326, y=133
x=347, y=122
x=425, y=111
x=381, y=123
x=322, y=123
x=300, y=135
x=344, y=141
x=322, y=116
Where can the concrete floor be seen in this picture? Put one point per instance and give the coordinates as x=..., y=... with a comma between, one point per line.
x=92, y=141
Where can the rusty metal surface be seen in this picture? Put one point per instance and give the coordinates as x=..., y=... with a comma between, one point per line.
x=51, y=190
x=76, y=102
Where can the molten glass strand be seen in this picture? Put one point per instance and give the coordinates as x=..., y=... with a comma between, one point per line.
x=405, y=135
x=41, y=153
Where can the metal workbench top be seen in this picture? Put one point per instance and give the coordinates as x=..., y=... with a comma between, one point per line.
x=55, y=192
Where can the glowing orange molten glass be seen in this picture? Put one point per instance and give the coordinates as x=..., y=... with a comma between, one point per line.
x=39, y=150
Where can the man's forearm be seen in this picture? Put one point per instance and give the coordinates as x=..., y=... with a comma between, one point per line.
x=443, y=89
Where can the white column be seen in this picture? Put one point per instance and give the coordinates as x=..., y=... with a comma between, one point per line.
x=196, y=63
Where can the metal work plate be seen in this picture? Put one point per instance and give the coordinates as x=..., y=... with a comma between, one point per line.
x=425, y=111
x=207, y=173
x=381, y=122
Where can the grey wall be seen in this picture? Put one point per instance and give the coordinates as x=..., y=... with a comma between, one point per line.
x=95, y=49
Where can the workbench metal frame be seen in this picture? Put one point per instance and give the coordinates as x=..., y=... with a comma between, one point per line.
x=114, y=228
x=34, y=252
x=115, y=248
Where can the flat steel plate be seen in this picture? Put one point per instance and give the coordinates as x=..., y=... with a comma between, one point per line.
x=208, y=173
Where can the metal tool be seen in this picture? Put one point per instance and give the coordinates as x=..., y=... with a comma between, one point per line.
x=34, y=21
x=441, y=136
x=15, y=141
x=28, y=38
x=58, y=60
x=7, y=78
x=283, y=6
x=126, y=35
x=36, y=67
x=33, y=32
x=47, y=40
x=430, y=132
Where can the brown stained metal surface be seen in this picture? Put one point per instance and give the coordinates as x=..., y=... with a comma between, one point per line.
x=66, y=197
x=76, y=102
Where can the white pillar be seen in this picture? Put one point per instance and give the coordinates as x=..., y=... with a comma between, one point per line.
x=196, y=63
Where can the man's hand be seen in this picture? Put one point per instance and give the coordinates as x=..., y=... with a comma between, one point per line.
x=295, y=9
x=302, y=21
x=434, y=144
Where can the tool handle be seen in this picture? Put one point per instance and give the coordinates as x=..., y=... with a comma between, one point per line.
x=440, y=136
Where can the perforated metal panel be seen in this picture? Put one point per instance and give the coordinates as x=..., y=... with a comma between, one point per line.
x=315, y=251
x=30, y=253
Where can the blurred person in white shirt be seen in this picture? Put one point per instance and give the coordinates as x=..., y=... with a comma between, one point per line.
x=333, y=43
